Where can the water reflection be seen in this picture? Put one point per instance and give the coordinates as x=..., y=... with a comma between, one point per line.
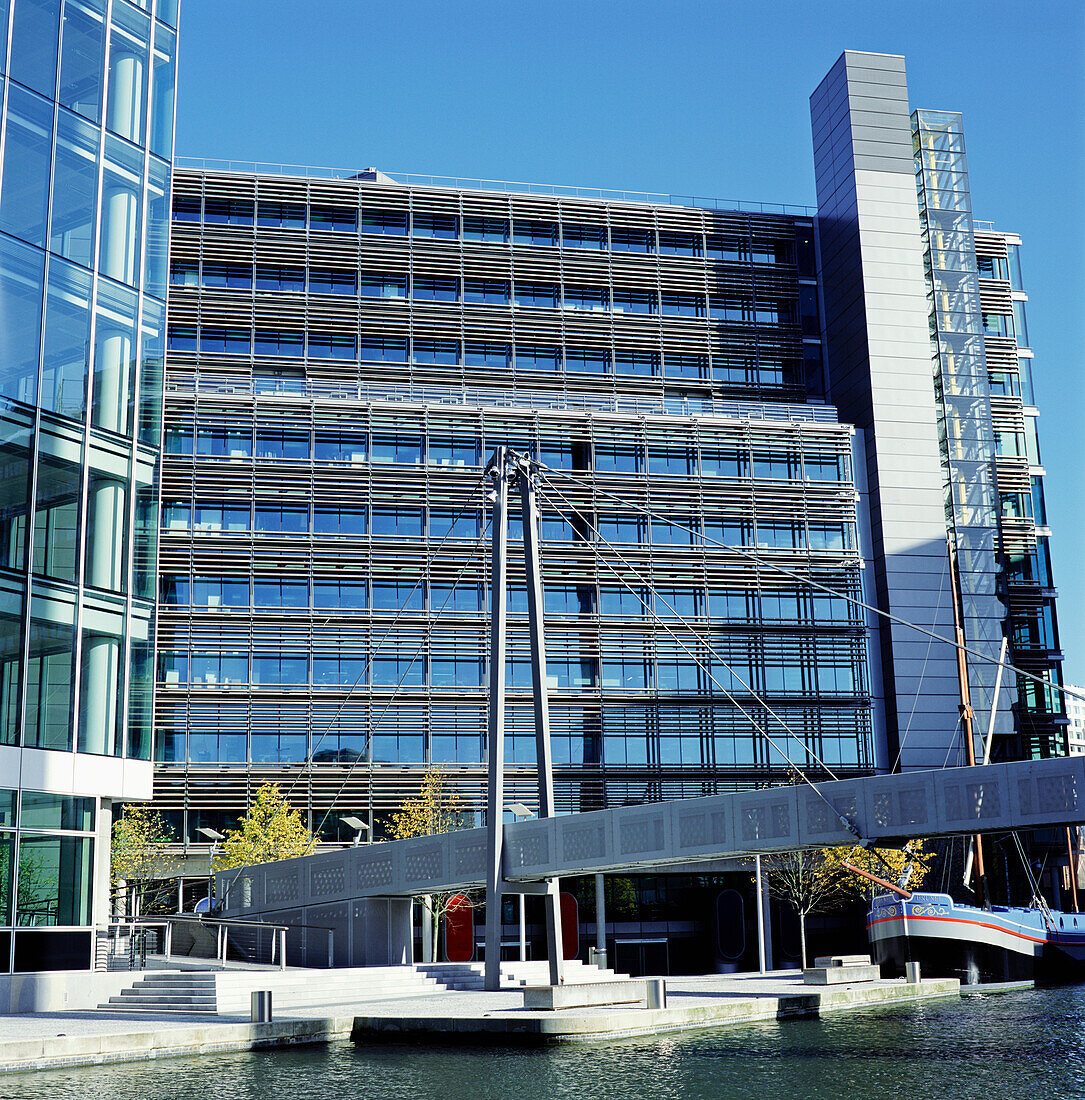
x=1020, y=1044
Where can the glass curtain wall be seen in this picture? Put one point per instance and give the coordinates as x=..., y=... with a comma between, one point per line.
x=87, y=134
x=964, y=404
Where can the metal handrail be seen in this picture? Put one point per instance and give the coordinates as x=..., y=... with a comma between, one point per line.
x=222, y=927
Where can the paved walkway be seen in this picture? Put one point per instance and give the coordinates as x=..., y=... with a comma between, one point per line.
x=43, y=1040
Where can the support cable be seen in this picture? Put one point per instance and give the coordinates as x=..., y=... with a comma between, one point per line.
x=849, y=825
x=758, y=559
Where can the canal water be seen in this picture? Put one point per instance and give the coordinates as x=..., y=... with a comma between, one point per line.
x=991, y=1047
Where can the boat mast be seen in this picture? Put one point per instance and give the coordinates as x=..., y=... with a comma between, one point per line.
x=967, y=716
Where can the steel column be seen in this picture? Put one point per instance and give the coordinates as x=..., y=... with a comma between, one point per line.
x=543, y=756
x=495, y=731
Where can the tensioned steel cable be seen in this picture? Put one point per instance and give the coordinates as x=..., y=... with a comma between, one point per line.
x=1069, y=692
x=753, y=721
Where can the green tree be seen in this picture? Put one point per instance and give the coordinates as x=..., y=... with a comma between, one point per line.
x=270, y=830
x=139, y=856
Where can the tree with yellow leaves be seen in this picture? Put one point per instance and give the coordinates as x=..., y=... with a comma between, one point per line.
x=437, y=809
x=817, y=881
x=270, y=830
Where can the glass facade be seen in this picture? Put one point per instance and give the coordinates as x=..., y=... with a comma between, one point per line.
x=994, y=478
x=343, y=359
x=87, y=135
x=963, y=400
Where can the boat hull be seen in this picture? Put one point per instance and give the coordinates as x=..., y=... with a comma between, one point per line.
x=975, y=945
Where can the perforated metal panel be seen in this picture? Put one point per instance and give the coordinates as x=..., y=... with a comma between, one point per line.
x=883, y=809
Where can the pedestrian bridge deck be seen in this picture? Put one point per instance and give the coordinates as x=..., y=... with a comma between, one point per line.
x=884, y=809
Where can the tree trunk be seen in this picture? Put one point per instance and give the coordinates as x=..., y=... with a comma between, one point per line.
x=802, y=937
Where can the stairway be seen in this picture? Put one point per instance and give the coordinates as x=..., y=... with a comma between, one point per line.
x=228, y=993
x=514, y=975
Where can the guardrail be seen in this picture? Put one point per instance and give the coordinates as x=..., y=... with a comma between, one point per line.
x=129, y=944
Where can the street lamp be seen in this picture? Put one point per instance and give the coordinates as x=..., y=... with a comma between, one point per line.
x=358, y=825
x=213, y=836
x=521, y=813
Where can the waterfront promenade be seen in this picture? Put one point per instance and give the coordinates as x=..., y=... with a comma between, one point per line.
x=44, y=1040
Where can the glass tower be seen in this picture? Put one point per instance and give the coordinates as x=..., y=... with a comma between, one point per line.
x=85, y=154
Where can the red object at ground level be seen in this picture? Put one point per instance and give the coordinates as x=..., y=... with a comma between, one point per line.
x=570, y=927
x=459, y=930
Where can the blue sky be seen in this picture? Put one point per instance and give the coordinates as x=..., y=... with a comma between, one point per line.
x=679, y=97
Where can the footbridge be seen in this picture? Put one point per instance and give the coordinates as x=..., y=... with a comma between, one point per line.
x=691, y=834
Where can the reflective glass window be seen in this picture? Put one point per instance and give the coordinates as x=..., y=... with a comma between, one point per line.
x=281, y=215
x=113, y=389
x=54, y=883
x=383, y=286
x=399, y=449
x=332, y=282
x=228, y=211
x=632, y=240
x=446, y=450
x=340, y=595
x=397, y=523
x=492, y=230
x=587, y=360
x=533, y=357
x=101, y=705
x=644, y=363
x=342, y=521
x=547, y=295
x=584, y=236
x=628, y=300
x=67, y=340
x=119, y=233
x=534, y=233
x=49, y=681
x=34, y=44
x=25, y=187
x=14, y=509
x=390, y=222
x=486, y=291
x=82, y=58
x=327, y=345
x=444, y=226
x=107, y=532
x=280, y=667
x=56, y=520
x=162, y=92
x=126, y=94
x=71, y=232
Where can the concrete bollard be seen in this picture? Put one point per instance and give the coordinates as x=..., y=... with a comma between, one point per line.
x=261, y=1006
x=911, y=973
x=657, y=993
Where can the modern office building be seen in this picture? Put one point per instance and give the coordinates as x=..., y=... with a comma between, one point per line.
x=84, y=214
x=345, y=355
x=734, y=402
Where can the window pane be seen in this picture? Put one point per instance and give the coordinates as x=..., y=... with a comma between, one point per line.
x=71, y=233
x=25, y=186
x=34, y=44
x=82, y=59
x=67, y=340
x=54, y=883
